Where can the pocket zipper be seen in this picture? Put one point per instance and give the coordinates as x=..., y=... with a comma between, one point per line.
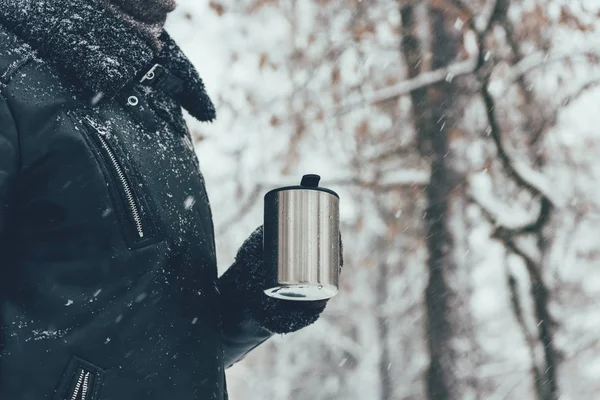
x=82, y=385
x=133, y=207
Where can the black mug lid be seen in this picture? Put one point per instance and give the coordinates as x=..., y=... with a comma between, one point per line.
x=308, y=182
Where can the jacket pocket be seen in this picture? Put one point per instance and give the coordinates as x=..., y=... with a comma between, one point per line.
x=137, y=223
x=80, y=381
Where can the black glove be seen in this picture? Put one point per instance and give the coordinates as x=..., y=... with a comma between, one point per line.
x=247, y=275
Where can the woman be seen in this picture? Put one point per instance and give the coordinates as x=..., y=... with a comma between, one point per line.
x=108, y=287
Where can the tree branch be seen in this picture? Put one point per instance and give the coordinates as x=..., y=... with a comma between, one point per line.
x=482, y=22
x=505, y=216
x=529, y=339
x=542, y=59
x=547, y=387
x=466, y=67
x=591, y=84
x=405, y=87
x=524, y=175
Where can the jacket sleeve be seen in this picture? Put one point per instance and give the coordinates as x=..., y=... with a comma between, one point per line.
x=9, y=161
x=241, y=331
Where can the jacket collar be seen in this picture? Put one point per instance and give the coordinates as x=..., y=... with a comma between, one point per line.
x=98, y=52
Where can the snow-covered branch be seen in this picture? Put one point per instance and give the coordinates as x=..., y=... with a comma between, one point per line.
x=422, y=80
x=539, y=181
x=503, y=215
x=523, y=174
x=541, y=59
x=589, y=85
x=499, y=86
x=405, y=87
x=469, y=66
x=510, y=221
x=484, y=19
x=479, y=22
x=531, y=179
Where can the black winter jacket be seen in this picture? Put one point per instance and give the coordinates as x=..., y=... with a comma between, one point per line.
x=108, y=276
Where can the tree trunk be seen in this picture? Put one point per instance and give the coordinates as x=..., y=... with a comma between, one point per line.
x=436, y=112
x=387, y=387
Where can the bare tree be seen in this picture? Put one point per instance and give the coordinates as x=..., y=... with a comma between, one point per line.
x=467, y=202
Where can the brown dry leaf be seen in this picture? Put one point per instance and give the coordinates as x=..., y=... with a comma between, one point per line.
x=455, y=134
x=275, y=121
x=337, y=100
x=450, y=9
x=488, y=165
x=362, y=130
x=391, y=80
x=567, y=18
x=197, y=136
x=533, y=22
x=370, y=262
x=392, y=230
x=250, y=99
x=320, y=115
x=359, y=31
x=257, y=4
x=262, y=61
x=335, y=75
x=217, y=7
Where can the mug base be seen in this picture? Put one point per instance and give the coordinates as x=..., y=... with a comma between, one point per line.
x=302, y=292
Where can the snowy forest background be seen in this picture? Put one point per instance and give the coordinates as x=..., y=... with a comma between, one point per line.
x=463, y=137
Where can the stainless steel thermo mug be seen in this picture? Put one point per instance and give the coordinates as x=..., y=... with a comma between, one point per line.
x=302, y=241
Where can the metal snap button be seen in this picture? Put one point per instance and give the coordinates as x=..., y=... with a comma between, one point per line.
x=133, y=101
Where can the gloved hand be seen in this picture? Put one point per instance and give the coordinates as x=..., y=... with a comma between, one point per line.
x=247, y=275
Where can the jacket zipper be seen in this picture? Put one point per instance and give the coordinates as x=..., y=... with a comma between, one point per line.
x=133, y=207
x=82, y=385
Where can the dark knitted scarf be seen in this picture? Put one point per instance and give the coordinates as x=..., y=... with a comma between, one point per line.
x=92, y=46
x=147, y=11
x=147, y=16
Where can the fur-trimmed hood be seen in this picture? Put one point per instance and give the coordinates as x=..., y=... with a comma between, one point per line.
x=99, y=52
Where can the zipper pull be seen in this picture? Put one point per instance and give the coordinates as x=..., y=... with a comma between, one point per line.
x=97, y=127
